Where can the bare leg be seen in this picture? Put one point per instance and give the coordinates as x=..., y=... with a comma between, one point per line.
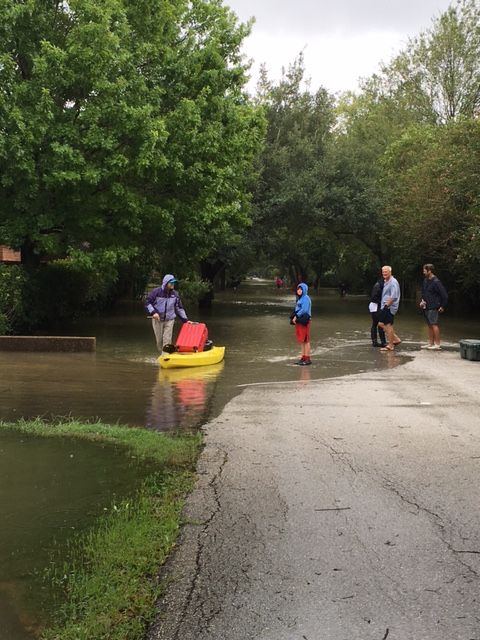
x=392, y=337
x=435, y=334
x=431, y=335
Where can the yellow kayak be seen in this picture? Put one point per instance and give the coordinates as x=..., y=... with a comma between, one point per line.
x=198, y=359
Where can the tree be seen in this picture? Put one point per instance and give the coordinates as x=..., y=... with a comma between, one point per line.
x=287, y=224
x=440, y=69
x=433, y=204
x=435, y=80
x=124, y=130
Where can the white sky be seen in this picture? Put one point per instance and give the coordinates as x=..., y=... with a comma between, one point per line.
x=342, y=40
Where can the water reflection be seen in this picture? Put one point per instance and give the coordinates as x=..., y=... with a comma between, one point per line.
x=181, y=397
x=305, y=375
x=391, y=359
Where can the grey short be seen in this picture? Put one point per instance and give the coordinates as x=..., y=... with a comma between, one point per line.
x=431, y=316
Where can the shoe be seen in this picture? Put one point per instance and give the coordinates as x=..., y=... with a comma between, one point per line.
x=426, y=346
x=305, y=363
x=434, y=347
x=376, y=344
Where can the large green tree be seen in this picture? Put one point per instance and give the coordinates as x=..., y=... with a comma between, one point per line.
x=288, y=200
x=392, y=155
x=124, y=129
x=439, y=70
x=432, y=182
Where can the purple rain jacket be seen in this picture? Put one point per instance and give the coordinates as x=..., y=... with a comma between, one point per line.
x=166, y=302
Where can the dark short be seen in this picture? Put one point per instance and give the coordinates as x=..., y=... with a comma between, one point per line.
x=431, y=316
x=386, y=316
x=302, y=332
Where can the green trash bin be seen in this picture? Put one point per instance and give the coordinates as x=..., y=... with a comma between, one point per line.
x=470, y=349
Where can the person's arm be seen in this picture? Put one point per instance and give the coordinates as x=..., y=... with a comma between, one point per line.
x=423, y=304
x=443, y=296
x=149, y=303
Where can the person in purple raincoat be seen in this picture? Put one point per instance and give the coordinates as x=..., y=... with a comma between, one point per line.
x=163, y=304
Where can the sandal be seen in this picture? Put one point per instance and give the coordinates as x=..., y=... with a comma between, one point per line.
x=387, y=348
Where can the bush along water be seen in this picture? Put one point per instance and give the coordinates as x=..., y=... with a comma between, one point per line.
x=12, y=285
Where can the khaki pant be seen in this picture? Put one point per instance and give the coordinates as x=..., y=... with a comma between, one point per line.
x=163, y=331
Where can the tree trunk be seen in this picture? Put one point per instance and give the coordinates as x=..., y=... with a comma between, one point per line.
x=209, y=271
x=30, y=259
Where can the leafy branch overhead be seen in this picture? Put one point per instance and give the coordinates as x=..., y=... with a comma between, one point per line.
x=123, y=125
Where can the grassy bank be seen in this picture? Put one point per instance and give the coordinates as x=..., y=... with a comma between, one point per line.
x=109, y=584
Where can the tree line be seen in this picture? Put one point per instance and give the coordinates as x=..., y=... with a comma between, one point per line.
x=129, y=145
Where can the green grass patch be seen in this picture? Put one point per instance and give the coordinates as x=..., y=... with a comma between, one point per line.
x=109, y=585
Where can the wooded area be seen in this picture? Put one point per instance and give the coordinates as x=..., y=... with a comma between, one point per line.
x=129, y=145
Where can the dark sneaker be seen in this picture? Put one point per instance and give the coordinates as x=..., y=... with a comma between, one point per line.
x=304, y=363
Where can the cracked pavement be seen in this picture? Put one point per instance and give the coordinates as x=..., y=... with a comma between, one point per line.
x=341, y=509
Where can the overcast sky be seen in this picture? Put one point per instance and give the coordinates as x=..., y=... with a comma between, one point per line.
x=341, y=40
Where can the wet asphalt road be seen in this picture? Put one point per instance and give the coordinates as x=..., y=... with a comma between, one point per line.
x=340, y=509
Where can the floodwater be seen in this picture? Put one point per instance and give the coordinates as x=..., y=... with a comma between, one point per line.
x=122, y=383
x=51, y=488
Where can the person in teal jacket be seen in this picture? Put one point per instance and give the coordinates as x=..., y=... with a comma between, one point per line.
x=301, y=318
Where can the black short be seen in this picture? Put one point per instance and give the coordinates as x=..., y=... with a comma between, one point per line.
x=385, y=316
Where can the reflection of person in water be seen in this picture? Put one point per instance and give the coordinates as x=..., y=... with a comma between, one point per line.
x=163, y=413
x=180, y=398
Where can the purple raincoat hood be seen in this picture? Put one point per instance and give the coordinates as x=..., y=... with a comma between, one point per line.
x=166, y=279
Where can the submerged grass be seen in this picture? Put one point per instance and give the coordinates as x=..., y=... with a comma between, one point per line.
x=109, y=584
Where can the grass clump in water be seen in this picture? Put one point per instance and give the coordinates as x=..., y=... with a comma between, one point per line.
x=109, y=585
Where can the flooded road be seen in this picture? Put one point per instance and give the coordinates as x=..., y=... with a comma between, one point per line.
x=122, y=383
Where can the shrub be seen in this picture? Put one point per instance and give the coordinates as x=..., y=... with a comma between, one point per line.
x=12, y=285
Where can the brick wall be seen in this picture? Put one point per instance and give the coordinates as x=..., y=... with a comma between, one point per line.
x=8, y=255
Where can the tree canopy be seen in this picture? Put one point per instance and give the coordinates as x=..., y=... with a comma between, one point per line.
x=123, y=127
x=128, y=141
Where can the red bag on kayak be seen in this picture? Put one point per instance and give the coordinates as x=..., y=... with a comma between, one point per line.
x=192, y=337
